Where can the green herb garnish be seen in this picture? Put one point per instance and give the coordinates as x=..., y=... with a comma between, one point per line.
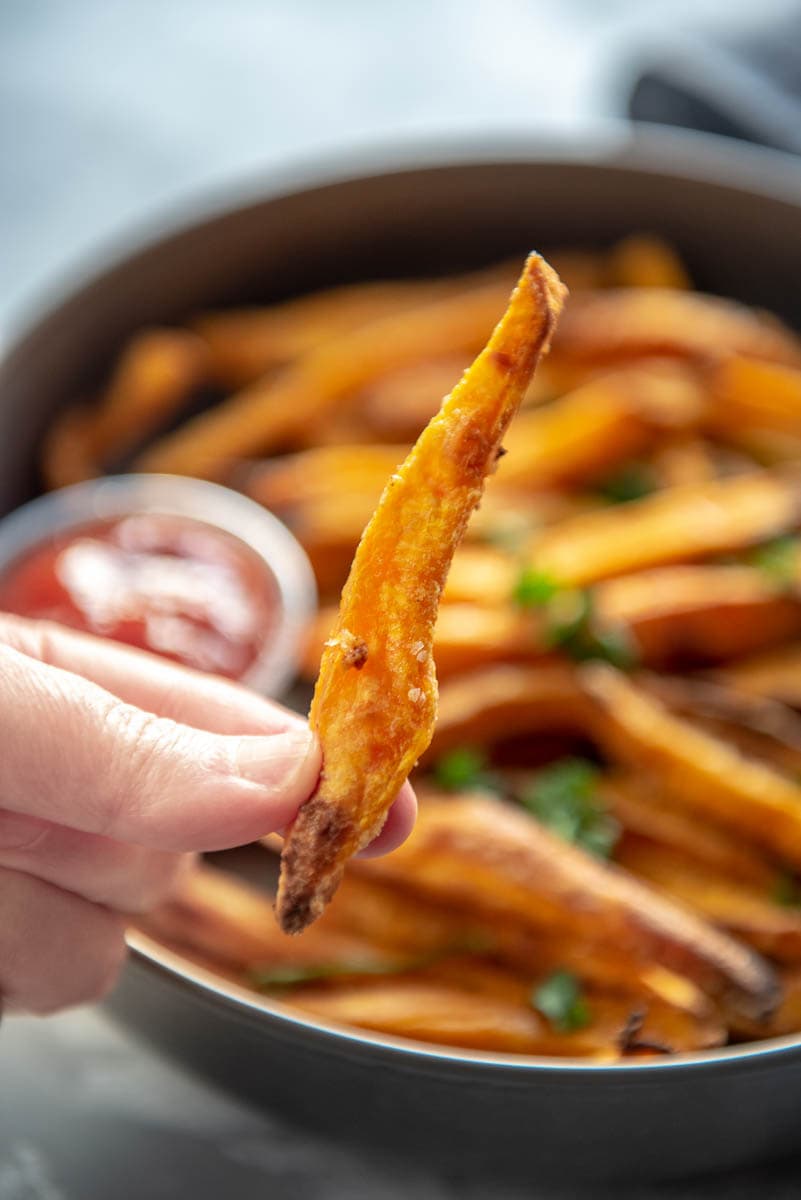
x=778, y=559
x=564, y=798
x=294, y=976
x=786, y=891
x=559, y=999
x=464, y=769
x=631, y=482
x=571, y=628
x=534, y=588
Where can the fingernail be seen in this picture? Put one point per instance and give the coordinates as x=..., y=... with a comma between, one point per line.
x=278, y=760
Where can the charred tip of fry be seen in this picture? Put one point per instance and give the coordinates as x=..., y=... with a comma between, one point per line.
x=310, y=870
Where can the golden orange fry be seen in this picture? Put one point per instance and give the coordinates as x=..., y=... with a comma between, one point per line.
x=375, y=702
x=488, y=858
x=283, y=408
x=697, y=770
x=629, y=323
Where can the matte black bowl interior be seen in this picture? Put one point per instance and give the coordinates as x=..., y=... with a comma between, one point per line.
x=736, y=218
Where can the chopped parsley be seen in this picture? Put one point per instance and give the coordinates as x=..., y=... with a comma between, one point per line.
x=631, y=482
x=534, y=588
x=464, y=769
x=559, y=999
x=570, y=623
x=292, y=975
x=786, y=891
x=778, y=559
x=572, y=629
x=564, y=798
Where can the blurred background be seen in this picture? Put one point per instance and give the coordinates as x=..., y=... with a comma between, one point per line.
x=112, y=111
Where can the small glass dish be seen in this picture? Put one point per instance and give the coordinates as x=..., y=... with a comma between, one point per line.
x=246, y=527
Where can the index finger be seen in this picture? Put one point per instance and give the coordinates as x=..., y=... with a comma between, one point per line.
x=148, y=681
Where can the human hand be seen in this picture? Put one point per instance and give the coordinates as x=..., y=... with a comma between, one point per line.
x=115, y=765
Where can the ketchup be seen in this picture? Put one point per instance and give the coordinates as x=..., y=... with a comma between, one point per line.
x=171, y=585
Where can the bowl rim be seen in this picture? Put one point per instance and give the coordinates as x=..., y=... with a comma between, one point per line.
x=608, y=142
x=237, y=1000
x=611, y=144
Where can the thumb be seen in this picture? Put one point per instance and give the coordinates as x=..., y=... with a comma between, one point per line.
x=74, y=754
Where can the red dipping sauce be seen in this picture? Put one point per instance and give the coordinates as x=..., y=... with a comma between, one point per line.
x=169, y=584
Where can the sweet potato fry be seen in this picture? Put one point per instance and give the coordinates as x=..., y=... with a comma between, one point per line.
x=221, y=918
x=629, y=323
x=481, y=706
x=743, y=909
x=749, y=393
x=642, y=811
x=760, y=728
x=244, y=344
x=697, y=770
x=600, y=424
x=645, y=261
x=67, y=454
x=375, y=701
x=683, y=523
x=432, y=1011
x=775, y=675
x=674, y=616
x=269, y=415
x=490, y=859
x=787, y=1017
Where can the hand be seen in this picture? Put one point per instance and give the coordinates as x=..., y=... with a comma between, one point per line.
x=115, y=765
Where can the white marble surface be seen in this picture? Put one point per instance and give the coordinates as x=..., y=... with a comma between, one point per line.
x=110, y=110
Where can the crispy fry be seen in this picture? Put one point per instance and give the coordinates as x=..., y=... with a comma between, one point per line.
x=775, y=675
x=674, y=615
x=683, y=523
x=642, y=811
x=219, y=917
x=630, y=323
x=244, y=344
x=492, y=860
x=698, y=771
x=786, y=1019
x=599, y=425
x=67, y=455
x=743, y=909
x=750, y=394
x=481, y=706
x=645, y=261
x=269, y=415
x=375, y=701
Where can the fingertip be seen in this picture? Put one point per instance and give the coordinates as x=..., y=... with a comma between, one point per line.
x=398, y=825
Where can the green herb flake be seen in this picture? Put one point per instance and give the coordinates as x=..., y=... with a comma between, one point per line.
x=571, y=628
x=564, y=799
x=464, y=769
x=778, y=559
x=786, y=890
x=534, y=588
x=559, y=999
x=631, y=482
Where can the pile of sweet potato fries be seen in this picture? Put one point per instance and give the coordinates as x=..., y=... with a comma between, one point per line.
x=607, y=861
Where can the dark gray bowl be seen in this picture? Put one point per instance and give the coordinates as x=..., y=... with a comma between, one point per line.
x=736, y=217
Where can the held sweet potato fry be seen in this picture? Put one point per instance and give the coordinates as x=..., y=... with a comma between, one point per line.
x=375, y=701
